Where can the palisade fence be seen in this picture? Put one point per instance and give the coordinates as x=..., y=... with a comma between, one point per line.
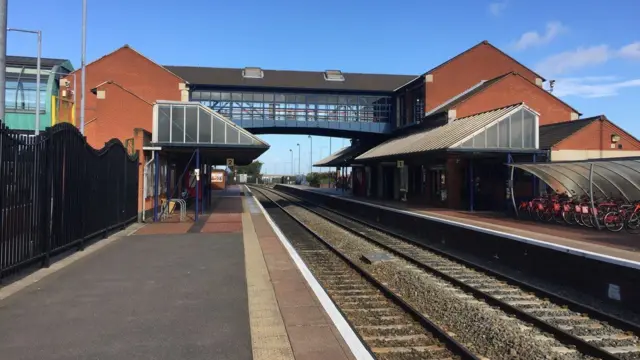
x=56, y=192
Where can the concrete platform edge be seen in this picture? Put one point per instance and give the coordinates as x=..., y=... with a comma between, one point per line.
x=557, y=247
x=269, y=339
x=40, y=274
x=351, y=339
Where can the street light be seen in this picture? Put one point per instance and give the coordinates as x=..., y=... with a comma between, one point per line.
x=82, y=63
x=291, y=151
x=299, y=172
x=39, y=33
x=310, y=154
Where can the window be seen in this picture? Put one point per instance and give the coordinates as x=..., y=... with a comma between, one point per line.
x=20, y=93
x=299, y=107
x=252, y=73
x=333, y=75
x=517, y=131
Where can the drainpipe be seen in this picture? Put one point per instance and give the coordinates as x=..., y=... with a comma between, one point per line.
x=146, y=173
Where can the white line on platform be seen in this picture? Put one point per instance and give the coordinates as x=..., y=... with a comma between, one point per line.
x=349, y=336
x=570, y=250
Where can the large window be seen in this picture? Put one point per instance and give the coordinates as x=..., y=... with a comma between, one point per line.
x=517, y=131
x=20, y=95
x=298, y=107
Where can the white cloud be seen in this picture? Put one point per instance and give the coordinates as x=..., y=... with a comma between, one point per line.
x=592, y=86
x=496, y=8
x=631, y=51
x=533, y=38
x=573, y=60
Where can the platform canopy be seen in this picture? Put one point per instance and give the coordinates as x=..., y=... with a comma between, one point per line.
x=184, y=126
x=616, y=178
x=508, y=129
x=341, y=157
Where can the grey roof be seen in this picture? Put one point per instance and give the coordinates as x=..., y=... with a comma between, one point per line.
x=440, y=138
x=617, y=178
x=552, y=134
x=32, y=62
x=342, y=156
x=288, y=79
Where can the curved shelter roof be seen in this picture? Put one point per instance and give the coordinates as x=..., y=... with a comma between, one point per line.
x=617, y=178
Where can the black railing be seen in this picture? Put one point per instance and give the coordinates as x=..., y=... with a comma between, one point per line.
x=57, y=192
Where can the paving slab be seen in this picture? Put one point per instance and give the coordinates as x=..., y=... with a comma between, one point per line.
x=143, y=297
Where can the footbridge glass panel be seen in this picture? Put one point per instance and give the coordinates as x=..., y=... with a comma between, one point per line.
x=192, y=123
x=269, y=110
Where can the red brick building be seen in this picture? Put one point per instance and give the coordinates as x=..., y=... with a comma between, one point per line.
x=476, y=81
x=121, y=88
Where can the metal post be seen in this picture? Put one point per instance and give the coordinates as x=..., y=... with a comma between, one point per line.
x=534, y=180
x=513, y=199
x=472, y=185
x=83, y=64
x=593, y=206
x=310, y=154
x=156, y=195
x=299, y=157
x=197, y=183
x=3, y=55
x=37, y=132
x=75, y=91
x=291, y=151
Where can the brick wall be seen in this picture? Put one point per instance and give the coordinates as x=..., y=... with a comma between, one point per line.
x=482, y=62
x=597, y=136
x=133, y=71
x=119, y=113
x=514, y=89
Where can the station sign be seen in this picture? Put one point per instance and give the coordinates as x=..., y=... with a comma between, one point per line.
x=230, y=162
x=400, y=164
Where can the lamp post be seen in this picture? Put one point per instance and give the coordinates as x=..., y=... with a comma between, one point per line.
x=39, y=33
x=3, y=55
x=299, y=172
x=310, y=154
x=83, y=63
x=291, y=151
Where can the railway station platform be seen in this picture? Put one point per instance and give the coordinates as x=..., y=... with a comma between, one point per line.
x=623, y=245
x=228, y=286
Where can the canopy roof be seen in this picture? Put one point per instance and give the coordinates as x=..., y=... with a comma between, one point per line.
x=617, y=178
x=343, y=156
x=513, y=127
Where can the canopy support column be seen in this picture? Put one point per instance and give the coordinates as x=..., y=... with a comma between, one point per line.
x=513, y=198
x=472, y=186
x=156, y=185
x=593, y=207
x=197, y=184
x=534, y=179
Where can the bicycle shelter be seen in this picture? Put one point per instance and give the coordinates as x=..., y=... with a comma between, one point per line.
x=609, y=178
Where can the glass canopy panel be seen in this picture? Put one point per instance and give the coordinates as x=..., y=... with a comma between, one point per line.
x=580, y=172
x=516, y=131
x=192, y=123
x=164, y=123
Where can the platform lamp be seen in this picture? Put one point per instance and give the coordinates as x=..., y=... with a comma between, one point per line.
x=299, y=173
x=291, y=151
x=310, y=154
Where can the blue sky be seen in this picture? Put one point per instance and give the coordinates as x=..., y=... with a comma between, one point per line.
x=591, y=48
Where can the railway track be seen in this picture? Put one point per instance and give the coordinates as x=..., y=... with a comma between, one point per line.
x=584, y=329
x=389, y=327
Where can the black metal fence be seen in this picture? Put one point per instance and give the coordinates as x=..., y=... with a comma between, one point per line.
x=56, y=192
